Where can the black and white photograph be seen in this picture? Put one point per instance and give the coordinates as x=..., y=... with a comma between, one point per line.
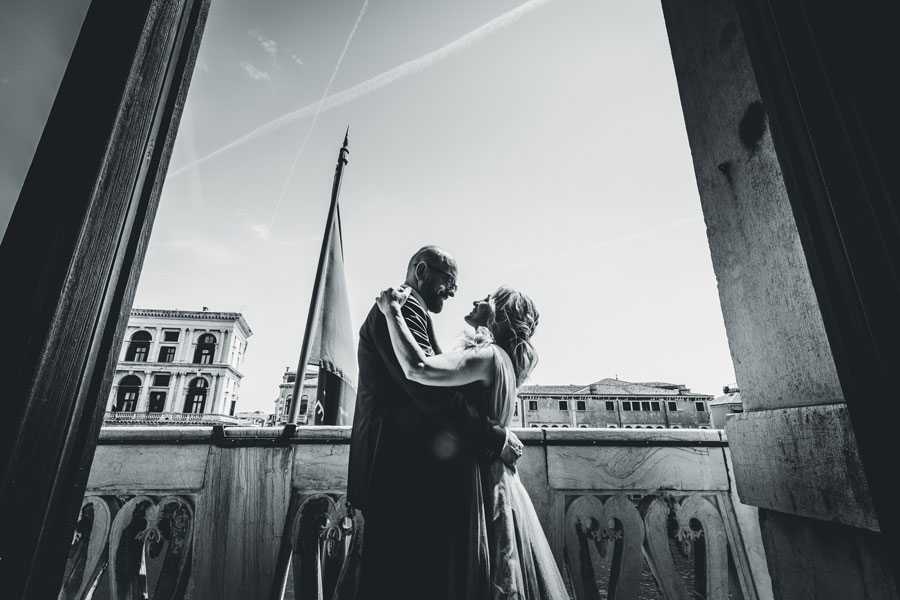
x=428, y=300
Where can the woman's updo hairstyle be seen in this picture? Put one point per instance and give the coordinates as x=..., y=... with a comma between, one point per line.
x=512, y=323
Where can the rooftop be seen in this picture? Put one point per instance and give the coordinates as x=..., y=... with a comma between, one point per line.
x=611, y=387
x=171, y=313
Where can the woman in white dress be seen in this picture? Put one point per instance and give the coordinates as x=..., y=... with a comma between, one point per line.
x=508, y=555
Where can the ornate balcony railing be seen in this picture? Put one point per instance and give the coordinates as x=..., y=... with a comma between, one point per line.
x=170, y=418
x=239, y=513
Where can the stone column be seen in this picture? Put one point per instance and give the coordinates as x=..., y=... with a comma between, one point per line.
x=172, y=402
x=170, y=392
x=153, y=352
x=144, y=396
x=222, y=349
x=184, y=351
x=213, y=401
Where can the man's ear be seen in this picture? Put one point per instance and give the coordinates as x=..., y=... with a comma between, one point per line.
x=421, y=271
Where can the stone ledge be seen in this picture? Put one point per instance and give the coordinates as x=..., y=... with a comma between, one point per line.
x=802, y=461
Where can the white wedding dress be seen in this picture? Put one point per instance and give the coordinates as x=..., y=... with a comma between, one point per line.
x=512, y=545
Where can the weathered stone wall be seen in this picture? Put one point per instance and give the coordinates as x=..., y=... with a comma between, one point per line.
x=794, y=450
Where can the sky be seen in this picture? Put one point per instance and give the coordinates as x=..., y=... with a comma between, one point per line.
x=541, y=143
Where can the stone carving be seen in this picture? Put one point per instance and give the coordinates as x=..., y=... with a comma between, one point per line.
x=694, y=522
x=700, y=533
x=327, y=546
x=150, y=549
x=88, y=552
x=144, y=543
x=615, y=522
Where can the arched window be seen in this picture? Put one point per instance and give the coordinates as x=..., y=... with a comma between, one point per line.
x=138, y=346
x=206, y=349
x=127, y=393
x=304, y=404
x=287, y=405
x=196, y=396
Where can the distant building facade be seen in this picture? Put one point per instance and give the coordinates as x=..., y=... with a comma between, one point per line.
x=286, y=394
x=179, y=366
x=612, y=403
x=727, y=404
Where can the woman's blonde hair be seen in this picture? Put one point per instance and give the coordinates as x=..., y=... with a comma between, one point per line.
x=512, y=323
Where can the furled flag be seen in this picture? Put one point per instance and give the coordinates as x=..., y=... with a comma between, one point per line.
x=332, y=346
x=328, y=339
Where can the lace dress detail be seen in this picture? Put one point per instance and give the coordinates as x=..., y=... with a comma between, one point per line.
x=521, y=565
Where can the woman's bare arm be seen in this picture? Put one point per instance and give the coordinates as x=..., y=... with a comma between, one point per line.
x=444, y=370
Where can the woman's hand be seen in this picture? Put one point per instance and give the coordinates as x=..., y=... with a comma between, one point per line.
x=392, y=299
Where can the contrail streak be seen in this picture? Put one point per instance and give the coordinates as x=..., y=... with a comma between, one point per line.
x=312, y=125
x=379, y=81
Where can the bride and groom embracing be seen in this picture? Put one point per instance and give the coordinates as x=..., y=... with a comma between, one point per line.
x=432, y=459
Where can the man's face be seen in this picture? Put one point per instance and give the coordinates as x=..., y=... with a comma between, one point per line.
x=438, y=284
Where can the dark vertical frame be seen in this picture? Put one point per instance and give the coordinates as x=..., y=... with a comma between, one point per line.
x=70, y=260
x=827, y=73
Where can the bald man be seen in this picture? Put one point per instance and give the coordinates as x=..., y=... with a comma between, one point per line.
x=412, y=454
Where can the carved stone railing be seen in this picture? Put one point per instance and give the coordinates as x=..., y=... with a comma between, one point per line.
x=169, y=418
x=237, y=513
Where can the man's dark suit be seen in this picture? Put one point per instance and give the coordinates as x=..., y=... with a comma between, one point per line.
x=410, y=455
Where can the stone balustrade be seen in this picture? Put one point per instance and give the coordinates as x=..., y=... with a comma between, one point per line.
x=170, y=418
x=241, y=513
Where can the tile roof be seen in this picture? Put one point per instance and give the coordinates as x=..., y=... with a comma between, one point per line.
x=550, y=389
x=730, y=398
x=609, y=387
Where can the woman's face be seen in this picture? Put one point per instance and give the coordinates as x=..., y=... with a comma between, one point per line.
x=481, y=312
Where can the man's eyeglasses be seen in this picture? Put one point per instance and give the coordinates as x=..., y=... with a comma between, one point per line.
x=451, y=280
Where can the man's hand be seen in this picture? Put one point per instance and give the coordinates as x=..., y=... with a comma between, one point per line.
x=512, y=450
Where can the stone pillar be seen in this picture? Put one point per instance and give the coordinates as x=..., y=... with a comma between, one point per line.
x=185, y=351
x=153, y=352
x=214, y=400
x=222, y=348
x=172, y=402
x=795, y=453
x=170, y=392
x=144, y=396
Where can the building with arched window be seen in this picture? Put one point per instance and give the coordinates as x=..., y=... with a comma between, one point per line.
x=286, y=391
x=613, y=403
x=179, y=366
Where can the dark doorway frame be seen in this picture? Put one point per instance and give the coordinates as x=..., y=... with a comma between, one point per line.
x=73, y=253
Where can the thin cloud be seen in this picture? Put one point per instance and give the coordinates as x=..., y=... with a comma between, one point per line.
x=269, y=45
x=379, y=81
x=263, y=231
x=254, y=73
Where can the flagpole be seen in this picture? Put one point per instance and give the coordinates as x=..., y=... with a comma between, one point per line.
x=318, y=288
